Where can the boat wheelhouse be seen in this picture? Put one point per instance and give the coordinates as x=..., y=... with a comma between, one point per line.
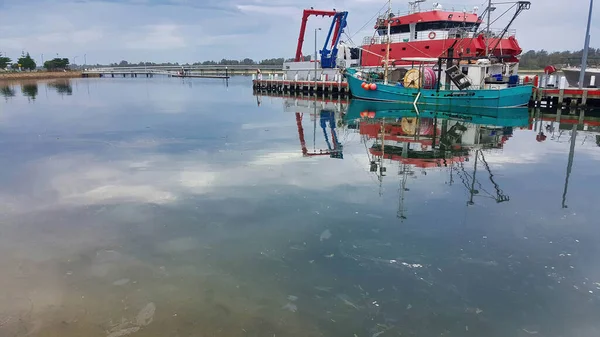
x=430, y=32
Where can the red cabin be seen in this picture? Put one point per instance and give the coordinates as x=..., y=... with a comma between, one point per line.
x=430, y=33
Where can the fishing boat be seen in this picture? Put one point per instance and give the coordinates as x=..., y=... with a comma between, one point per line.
x=420, y=88
x=572, y=76
x=482, y=82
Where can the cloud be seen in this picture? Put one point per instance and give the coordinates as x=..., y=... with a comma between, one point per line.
x=190, y=31
x=156, y=37
x=270, y=10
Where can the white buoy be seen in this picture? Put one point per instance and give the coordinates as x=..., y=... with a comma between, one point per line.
x=296, y=77
x=592, y=81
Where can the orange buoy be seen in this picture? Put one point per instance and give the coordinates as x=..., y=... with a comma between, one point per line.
x=364, y=114
x=373, y=86
x=371, y=114
x=364, y=85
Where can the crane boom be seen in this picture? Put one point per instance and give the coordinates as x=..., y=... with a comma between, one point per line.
x=328, y=56
x=305, y=15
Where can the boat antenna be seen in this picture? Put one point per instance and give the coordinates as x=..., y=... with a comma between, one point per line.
x=487, y=37
x=387, y=48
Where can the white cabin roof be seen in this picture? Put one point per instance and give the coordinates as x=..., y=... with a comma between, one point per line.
x=420, y=59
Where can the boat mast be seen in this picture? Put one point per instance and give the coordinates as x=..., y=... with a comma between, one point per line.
x=387, y=49
x=487, y=37
x=586, y=47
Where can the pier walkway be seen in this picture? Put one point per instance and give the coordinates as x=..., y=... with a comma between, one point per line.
x=207, y=71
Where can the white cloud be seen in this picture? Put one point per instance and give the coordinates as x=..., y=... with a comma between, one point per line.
x=156, y=37
x=173, y=30
x=271, y=10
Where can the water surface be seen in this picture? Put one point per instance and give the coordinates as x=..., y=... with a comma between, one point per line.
x=162, y=207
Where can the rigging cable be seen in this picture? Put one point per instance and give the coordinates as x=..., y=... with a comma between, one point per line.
x=374, y=16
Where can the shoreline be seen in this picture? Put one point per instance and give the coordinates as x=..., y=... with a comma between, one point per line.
x=39, y=75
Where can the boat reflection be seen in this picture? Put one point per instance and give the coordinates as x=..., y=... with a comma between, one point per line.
x=326, y=115
x=458, y=141
x=566, y=129
x=433, y=139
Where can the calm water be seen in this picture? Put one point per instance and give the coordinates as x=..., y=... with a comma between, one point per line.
x=161, y=207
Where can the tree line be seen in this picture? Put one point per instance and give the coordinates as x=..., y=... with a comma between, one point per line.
x=25, y=62
x=539, y=59
x=531, y=59
x=246, y=61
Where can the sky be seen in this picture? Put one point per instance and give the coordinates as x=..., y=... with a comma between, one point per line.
x=105, y=31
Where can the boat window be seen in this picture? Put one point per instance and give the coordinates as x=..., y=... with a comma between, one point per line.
x=394, y=30
x=443, y=25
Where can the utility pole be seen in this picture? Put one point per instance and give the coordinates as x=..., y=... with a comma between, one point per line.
x=586, y=47
x=316, y=29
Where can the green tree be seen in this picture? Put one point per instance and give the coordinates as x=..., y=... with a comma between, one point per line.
x=27, y=62
x=4, y=61
x=533, y=59
x=57, y=64
x=274, y=61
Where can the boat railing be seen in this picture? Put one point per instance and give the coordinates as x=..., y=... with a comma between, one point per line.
x=440, y=34
x=495, y=33
x=462, y=9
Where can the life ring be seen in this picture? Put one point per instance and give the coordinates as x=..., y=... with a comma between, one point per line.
x=372, y=40
x=431, y=35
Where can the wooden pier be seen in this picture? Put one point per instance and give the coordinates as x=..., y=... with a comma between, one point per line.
x=201, y=76
x=552, y=91
x=553, y=98
x=118, y=74
x=293, y=86
x=199, y=71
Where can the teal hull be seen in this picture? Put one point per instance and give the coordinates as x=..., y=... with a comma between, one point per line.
x=484, y=98
x=506, y=117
